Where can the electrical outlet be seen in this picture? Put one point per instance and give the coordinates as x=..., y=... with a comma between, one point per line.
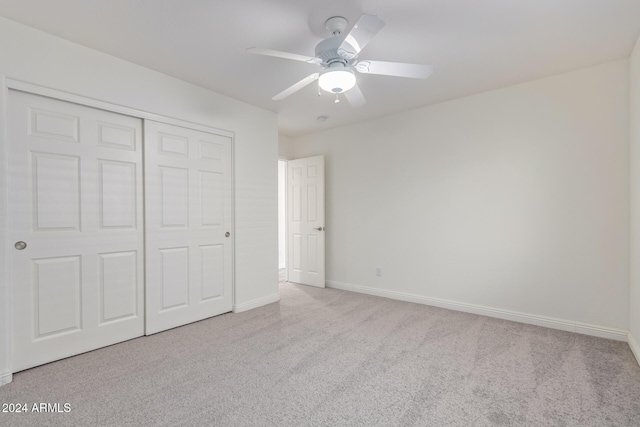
x=378, y=271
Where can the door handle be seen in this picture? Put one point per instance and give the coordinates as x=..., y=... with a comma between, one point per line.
x=319, y=228
x=20, y=245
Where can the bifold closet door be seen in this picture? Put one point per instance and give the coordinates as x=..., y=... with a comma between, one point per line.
x=189, y=221
x=75, y=207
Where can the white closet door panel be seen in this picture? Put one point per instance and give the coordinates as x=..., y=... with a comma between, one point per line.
x=118, y=285
x=174, y=276
x=53, y=125
x=75, y=199
x=188, y=211
x=58, y=296
x=114, y=135
x=54, y=209
x=118, y=195
x=212, y=197
x=174, y=198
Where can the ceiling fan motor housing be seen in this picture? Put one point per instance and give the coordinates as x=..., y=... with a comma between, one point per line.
x=327, y=51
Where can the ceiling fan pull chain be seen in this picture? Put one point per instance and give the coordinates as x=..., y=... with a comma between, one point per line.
x=337, y=99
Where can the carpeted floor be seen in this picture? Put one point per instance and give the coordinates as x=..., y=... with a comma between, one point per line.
x=327, y=357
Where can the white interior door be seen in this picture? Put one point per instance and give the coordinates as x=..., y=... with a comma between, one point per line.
x=75, y=197
x=189, y=221
x=305, y=221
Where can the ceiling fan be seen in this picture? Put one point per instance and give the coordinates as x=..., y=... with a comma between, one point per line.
x=338, y=56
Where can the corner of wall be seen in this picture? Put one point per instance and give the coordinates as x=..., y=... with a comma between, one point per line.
x=259, y=302
x=635, y=348
x=5, y=378
x=285, y=148
x=634, y=156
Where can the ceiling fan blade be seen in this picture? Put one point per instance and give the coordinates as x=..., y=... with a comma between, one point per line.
x=360, y=35
x=285, y=55
x=296, y=87
x=398, y=69
x=355, y=97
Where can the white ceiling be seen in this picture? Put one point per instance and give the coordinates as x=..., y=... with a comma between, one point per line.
x=473, y=45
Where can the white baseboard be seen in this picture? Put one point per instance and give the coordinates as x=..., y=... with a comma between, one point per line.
x=250, y=305
x=6, y=378
x=635, y=349
x=548, y=322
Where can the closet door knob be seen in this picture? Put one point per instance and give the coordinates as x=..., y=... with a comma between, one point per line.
x=20, y=245
x=227, y=234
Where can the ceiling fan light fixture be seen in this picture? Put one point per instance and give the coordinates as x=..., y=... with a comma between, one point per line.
x=337, y=80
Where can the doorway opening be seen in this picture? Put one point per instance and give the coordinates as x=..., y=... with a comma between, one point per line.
x=301, y=221
x=282, y=219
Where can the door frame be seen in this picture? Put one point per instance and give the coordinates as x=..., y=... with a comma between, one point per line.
x=286, y=217
x=6, y=326
x=6, y=84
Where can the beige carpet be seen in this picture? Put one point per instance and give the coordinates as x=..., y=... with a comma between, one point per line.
x=328, y=357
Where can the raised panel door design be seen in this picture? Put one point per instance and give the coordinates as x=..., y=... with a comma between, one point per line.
x=210, y=150
x=312, y=171
x=297, y=204
x=173, y=145
x=312, y=253
x=212, y=198
x=174, y=185
x=75, y=198
x=57, y=296
x=297, y=252
x=212, y=261
x=175, y=277
x=118, y=284
x=112, y=135
x=117, y=194
x=312, y=203
x=189, y=259
x=53, y=125
x=54, y=209
x=296, y=174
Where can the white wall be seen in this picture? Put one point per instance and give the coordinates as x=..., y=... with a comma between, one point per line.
x=634, y=114
x=284, y=146
x=282, y=213
x=39, y=58
x=284, y=152
x=5, y=336
x=514, y=200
